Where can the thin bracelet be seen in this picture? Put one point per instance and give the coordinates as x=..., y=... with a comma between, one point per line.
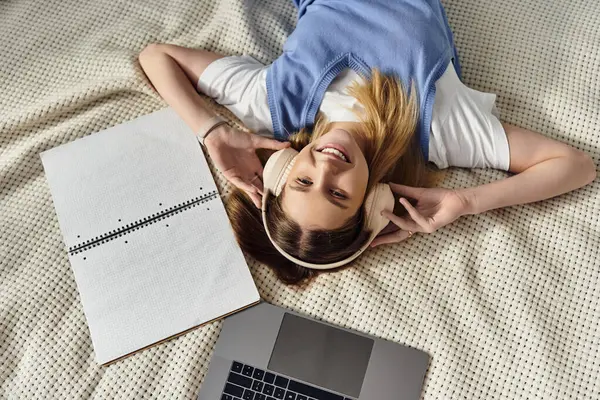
x=208, y=127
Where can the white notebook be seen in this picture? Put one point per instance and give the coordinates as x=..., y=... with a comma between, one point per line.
x=147, y=235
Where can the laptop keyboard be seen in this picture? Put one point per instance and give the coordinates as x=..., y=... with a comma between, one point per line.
x=248, y=383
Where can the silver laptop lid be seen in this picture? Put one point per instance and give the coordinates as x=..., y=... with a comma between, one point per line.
x=304, y=353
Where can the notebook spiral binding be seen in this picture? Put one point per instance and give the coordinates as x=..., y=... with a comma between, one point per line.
x=133, y=226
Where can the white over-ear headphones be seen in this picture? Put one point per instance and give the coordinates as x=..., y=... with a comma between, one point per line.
x=275, y=174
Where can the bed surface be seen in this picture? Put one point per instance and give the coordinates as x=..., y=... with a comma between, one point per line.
x=506, y=303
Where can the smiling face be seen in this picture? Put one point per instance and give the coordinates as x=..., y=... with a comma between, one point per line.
x=327, y=184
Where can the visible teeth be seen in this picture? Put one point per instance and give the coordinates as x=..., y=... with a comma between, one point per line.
x=335, y=152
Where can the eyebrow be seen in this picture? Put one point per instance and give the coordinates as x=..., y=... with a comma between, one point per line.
x=329, y=198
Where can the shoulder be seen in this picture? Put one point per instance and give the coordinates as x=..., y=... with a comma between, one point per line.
x=465, y=127
x=239, y=84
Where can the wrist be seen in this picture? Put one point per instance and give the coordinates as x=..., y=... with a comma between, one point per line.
x=469, y=200
x=215, y=135
x=208, y=126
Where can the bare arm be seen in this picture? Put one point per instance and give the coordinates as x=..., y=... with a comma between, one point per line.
x=174, y=72
x=544, y=168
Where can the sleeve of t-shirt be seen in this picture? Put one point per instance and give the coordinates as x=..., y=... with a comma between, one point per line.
x=465, y=129
x=239, y=84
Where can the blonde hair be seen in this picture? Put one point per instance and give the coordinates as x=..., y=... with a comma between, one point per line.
x=392, y=151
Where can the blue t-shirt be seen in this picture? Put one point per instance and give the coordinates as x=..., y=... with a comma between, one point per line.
x=407, y=38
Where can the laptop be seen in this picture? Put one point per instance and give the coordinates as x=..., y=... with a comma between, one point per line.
x=269, y=353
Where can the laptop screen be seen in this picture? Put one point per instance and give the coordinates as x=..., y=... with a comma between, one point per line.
x=322, y=355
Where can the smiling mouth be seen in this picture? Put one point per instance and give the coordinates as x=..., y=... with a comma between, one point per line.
x=336, y=151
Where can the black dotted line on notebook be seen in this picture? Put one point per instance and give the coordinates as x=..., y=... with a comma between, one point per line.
x=124, y=230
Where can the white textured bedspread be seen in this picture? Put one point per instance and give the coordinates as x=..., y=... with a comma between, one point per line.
x=507, y=303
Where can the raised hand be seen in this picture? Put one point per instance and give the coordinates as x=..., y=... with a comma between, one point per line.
x=435, y=208
x=234, y=154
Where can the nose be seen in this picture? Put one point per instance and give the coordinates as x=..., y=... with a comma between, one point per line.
x=327, y=173
x=328, y=166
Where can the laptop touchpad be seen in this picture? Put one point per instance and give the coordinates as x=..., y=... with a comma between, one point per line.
x=322, y=355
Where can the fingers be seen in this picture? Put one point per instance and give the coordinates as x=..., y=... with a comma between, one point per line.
x=261, y=142
x=408, y=191
x=254, y=174
x=390, y=228
x=395, y=237
x=424, y=225
x=259, y=170
x=251, y=183
x=241, y=184
x=257, y=182
x=256, y=199
x=257, y=179
x=402, y=223
x=251, y=189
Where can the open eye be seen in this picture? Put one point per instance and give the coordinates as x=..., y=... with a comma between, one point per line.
x=304, y=181
x=337, y=194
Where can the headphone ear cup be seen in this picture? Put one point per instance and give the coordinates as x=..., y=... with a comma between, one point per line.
x=284, y=177
x=381, y=198
x=277, y=169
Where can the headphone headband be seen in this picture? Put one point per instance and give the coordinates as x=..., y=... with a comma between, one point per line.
x=275, y=174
